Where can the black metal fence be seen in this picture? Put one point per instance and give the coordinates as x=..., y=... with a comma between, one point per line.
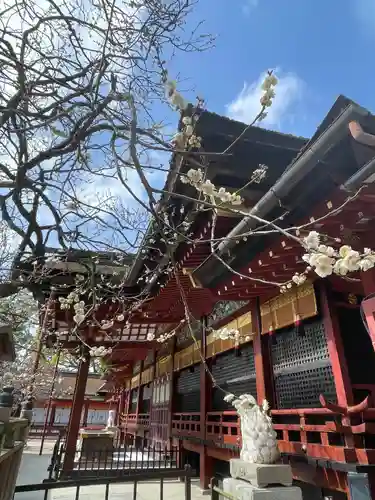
x=160, y=476
x=113, y=461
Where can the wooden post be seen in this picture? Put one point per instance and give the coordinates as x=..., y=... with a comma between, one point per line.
x=368, y=284
x=85, y=412
x=335, y=348
x=171, y=392
x=52, y=415
x=139, y=393
x=205, y=462
x=121, y=406
x=368, y=305
x=262, y=358
x=76, y=412
x=152, y=409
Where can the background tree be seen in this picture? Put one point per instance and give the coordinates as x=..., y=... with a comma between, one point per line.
x=70, y=75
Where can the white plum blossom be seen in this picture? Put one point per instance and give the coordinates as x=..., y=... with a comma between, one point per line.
x=312, y=240
x=195, y=178
x=100, y=352
x=268, y=87
x=366, y=264
x=326, y=260
x=79, y=318
x=323, y=265
x=231, y=334
x=166, y=336
x=195, y=142
x=208, y=188
x=227, y=334
x=269, y=82
x=299, y=279
x=259, y=174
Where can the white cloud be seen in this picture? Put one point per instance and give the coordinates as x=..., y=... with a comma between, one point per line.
x=249, y=5
x=246, y=105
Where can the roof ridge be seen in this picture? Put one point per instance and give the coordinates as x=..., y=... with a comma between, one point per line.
x=263, y=129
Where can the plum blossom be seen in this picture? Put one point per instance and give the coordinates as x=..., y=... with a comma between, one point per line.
x=312, y=240
x=299, y=279
x=100, y=352
x=326, y=260
x=166, y=336
x=268, y=87
x=227, y=333
x=79, y=319
x=208, y=188
x=196, y=179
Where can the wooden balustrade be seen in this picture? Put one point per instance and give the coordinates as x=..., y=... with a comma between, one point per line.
x=223, y=428
x=187, y=424
x=132, y=421
x=317, y=432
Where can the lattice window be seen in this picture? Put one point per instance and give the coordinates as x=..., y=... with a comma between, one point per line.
x=302, y=367
x=293, y=350
x=234, y=374
x=188, y=390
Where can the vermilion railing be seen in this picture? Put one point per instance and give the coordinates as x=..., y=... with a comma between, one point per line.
x=223, y=427
x=323, y=433
x=132, y=420
x=187, y=424
x=316, y=432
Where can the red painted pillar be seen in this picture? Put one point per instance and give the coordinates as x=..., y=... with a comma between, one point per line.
x=76, y=412
x=139, y=393
x=85, y=412
x=335, y=348
x=121, y=406
x=368, y=305
x=205, y=462
x=52, y=415
x=152, y=409
x=171, y=392
x=262, y=358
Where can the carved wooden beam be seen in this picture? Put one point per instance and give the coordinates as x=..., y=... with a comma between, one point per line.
x=350, y=410
x=360, y=136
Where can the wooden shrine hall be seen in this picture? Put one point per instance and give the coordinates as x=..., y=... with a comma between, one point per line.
x=309, y=352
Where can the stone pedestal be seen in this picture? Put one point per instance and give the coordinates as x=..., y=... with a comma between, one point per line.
x=96, y=446
x=261, y=482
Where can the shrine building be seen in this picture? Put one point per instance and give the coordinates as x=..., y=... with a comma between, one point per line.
x=309, y=351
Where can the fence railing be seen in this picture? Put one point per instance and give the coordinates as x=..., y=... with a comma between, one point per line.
x=223, y=428
x=132, y=420
x=187, y=424
x=37, y=430
x=116, y=460
x=136, y=478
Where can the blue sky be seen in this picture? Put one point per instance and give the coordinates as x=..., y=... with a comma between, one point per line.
x=321, y=48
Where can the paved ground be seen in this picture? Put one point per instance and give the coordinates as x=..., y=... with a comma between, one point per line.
x=34, y=470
